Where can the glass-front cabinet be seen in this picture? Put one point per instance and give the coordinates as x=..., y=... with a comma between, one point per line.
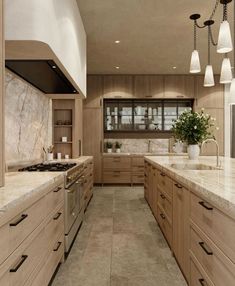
x=142, y=115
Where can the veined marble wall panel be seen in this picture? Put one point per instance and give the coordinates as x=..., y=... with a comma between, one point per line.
x=28, y=121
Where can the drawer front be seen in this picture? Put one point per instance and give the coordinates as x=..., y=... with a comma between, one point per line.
x=138, y=169
x=164, y=225
x=218, y=226
x=165, y=204
x=116, y=162
x=217, y=266
x=54, y=257
x=165, y=184
x=54, y=198
x=138, y=178
x=117, y=177
x=138, y=162
x=196, y=278
x=13, y=233
x=22, y=264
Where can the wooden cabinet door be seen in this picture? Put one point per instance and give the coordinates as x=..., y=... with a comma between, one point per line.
x=179, y=86
x=92, y=139
x=78, y=128
x=1, y=97
x=209, y=97
x=148, y=86
x=118, y=86
x=94, y=91
x=155, y=192
x=181, y=202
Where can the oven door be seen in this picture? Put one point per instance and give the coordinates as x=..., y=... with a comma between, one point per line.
x=72, y=204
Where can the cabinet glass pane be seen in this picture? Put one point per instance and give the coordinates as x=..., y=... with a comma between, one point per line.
x=125, y=115
x=182, y=106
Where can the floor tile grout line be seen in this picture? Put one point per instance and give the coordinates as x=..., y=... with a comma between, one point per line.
x=111, y=260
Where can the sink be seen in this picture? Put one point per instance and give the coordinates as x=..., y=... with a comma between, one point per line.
x=198, y=167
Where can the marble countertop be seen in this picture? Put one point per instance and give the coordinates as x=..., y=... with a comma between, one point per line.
x=79, y=160
x=20, y=186
x=218, y=186
x=143, y=154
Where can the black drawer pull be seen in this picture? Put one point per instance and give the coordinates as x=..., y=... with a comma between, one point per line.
x=162, y=174
x=58, y=246
x=205, y=206
x=202, y=244
x=162, y=196
x=57, y=216
x=178, y=186
x=23, y=258
x=23, y=217
x=57, y=189
x=162, y=216
x=202, y=282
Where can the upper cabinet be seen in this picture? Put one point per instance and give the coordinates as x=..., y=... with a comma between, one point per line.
x=179, y=86
x=148, y=86
x=209, y=97
x=94, y=91
x=120, y=86
x=1, y=97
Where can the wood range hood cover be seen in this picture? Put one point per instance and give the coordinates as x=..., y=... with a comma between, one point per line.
x=46, y=45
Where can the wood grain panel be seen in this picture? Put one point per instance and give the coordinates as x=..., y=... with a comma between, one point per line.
x=2, y=142
x=94, y=91
x=120, y=86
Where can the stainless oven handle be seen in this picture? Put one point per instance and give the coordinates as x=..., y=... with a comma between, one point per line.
x=72, y=190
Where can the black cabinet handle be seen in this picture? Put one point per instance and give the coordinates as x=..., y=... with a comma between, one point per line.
x=58, y=246
x=162, y=196
x=162, y=174
x=57, y=216
x=23, y=217
x=202, y=282
x=162, y=216
x=178, y=186
x=23, y=258
x=205, y=206
x=202, y=244
x=57, y=189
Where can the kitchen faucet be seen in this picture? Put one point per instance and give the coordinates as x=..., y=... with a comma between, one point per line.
x=218, y=163
x=149, y=145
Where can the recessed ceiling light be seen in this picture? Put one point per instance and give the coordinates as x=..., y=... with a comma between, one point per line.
x=117, y=42
x=54, y=67
x=117, y=68
x=74, y=91
x=174, y=68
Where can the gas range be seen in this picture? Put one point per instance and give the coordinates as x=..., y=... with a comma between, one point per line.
x=50, y=167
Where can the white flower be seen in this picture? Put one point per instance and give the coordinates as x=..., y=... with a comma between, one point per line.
x=195, y=127
x=217, y=128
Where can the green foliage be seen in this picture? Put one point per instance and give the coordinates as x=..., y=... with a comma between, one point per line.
x=193, y=127
x=109, y=145
x=118, y=145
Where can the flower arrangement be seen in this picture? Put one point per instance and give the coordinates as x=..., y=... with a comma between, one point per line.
x=193, y=127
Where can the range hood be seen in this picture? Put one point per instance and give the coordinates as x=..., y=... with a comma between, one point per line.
x=46, y=49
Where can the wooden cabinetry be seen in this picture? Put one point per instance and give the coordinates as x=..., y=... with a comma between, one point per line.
x=118, y=86
x=88, y=183
x=137, y=168
x=2, y=91
x=148, y=86
x=179, y=86
x=94, y=91
x=29, y=239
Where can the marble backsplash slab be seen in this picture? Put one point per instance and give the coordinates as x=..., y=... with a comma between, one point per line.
x=141, y=145
x=28, y=121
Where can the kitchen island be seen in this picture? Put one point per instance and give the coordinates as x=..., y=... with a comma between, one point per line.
x=194, y=205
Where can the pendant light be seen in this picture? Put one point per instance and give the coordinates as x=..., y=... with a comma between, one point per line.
x=226, y=71
x=195, y=66
x=225, y=44
x=209, y=75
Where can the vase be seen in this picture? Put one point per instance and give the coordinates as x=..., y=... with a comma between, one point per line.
x=109, y=150
x=193, y=151
x=118, y=150
x=50, y=156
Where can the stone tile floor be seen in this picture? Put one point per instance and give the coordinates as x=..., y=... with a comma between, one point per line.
x=119, y=244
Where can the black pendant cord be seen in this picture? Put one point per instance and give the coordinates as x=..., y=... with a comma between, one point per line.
x=195, y=36
x=209, y=46
x=211, y=37
x=211, y=16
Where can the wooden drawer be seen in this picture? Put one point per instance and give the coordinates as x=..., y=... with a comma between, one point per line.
x=138, y=162
x=218, y=226
x=218, y=267
x=117, y=163
x=138, y=169
x=117, y=177
x=165, y=204
x=138, y=178
x=54, y=198
x=13, y=233
x=164, y=225
x=165, y=184
x=196, y=278
x=19, y=266
x=55, y=256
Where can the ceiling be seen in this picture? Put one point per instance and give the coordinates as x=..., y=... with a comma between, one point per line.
x=154, y=35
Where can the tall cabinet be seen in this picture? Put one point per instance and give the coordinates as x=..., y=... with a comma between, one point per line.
x=1, y=97
x=93, y=124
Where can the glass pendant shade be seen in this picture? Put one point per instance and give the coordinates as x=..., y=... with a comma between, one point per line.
x=209, y=76
x=226, y=71
x=225, y=44
x=232, y=92
x=195, y=66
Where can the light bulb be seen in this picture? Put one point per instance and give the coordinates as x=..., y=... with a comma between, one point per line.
x=225, y=40
x=195, y=66
x=226, y=71
x=209, y=76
